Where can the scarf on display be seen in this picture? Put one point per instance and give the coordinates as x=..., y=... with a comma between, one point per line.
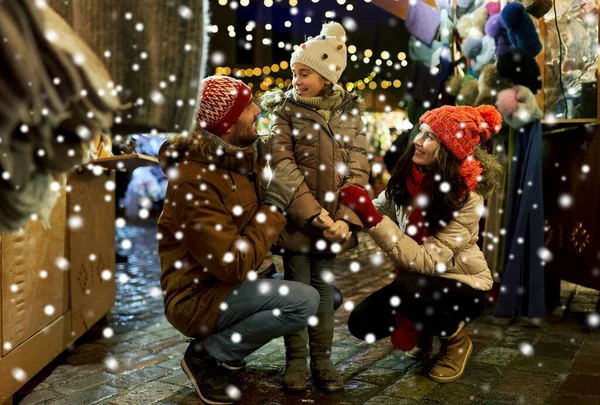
x=322, y=104
x=405, y=336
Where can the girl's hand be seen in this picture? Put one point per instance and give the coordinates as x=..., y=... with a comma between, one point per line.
x=340, y=231
x=323, y=220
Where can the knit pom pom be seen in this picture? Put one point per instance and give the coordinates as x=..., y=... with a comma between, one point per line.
x=333, y=29
x=453, y=85
x=491, y=116
x=493, y=8
x=507, y=102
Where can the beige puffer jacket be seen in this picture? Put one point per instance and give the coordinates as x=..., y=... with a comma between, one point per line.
x=330, y=154
x=452, y=252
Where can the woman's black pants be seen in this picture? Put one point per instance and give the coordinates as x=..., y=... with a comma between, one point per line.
x=431, y=302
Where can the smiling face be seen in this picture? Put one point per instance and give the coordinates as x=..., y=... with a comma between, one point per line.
x=243, y=133
x=427, y=145
x=306, y=81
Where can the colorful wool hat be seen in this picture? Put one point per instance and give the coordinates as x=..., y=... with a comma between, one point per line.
x=222, y=101
x=460, y=129
x=326, y=53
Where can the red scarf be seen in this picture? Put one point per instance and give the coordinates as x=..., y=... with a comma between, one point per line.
x=405, y=335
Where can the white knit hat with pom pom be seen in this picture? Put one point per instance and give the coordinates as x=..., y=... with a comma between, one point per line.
x=326, y=53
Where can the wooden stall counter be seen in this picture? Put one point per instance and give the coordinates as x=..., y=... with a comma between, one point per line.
x=56, y=283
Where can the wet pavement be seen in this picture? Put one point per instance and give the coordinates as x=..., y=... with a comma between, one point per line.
x=133, y=356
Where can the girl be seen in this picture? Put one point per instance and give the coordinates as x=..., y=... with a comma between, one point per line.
x=427, y=221
x=318, y=127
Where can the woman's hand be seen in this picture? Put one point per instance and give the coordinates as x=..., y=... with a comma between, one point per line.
x=358, y=200
x=340, y=231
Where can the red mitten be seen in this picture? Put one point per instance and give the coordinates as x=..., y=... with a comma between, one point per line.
x=405, y=336
x=358, y=200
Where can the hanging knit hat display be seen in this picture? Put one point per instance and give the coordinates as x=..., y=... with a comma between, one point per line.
x=521, y=30
x=518, y=106
x=520, y=67
x=537, y=8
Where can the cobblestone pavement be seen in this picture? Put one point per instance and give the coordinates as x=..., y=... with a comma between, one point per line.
x=140, y=363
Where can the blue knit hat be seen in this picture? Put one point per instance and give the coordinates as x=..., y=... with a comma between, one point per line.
x=521, y=30
x=480, y=51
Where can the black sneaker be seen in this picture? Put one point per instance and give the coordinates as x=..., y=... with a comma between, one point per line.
x=234, y=365
x=208, y=378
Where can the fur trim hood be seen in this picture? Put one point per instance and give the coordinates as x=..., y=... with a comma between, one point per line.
x=491, y=177
x=274, y=99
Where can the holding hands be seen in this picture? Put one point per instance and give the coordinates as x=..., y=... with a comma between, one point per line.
x=337, y=231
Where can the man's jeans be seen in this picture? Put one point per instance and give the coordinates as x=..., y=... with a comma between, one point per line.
x=257, y=312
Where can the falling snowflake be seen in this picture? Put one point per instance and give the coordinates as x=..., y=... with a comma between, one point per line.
x=545, y=254
x=62, y=263
x=565, y=201
x=284, y=290
x=354, y=267
x=75, y=222
x=155, y=292
x=19, y=375
x=593, y=320
x=370, y=338
x=108, y=333
x=185, y=12
x=313, y=321
x=106, y=274
x=526, y=349
x=126, y=244
x=49, y=310
x=233, y=392
x=236, y=337
x=111, y=363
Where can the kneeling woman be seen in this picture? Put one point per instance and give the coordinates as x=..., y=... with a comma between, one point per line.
x=427, y=221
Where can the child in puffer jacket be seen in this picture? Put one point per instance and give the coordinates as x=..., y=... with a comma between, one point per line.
x=318, y=126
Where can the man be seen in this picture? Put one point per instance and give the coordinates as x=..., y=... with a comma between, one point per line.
x=214, y=233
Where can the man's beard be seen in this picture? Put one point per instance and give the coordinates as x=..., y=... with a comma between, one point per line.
x=242, y=134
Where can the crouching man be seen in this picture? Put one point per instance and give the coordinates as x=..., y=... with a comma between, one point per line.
x=213, y=235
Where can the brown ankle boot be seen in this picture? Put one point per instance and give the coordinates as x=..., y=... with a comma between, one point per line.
x=294, y=378
x=424, y=346
x=454, y=353
x=325, y=376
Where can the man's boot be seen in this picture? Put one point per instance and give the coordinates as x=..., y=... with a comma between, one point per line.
x=424, y=346
x=454, y=353
x=207, y=376
x=294, y=378
x=325, y=376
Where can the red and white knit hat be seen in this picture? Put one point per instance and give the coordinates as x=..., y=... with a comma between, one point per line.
x=222, y=101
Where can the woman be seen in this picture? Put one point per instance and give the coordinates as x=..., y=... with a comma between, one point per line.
x=427, y=221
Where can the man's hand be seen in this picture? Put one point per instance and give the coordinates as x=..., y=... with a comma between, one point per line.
x=340, y=231
x=280, y=186
x=323, y=220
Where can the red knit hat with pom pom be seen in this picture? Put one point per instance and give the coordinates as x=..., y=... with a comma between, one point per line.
x=461, y=129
